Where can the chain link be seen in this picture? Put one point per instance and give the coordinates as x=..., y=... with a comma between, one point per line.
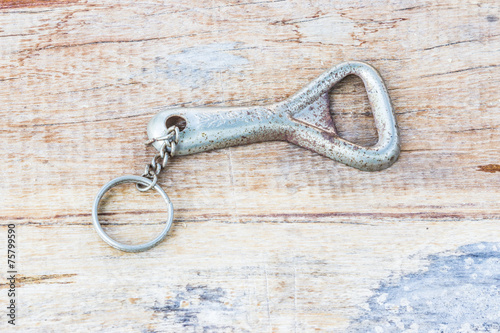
x=159, y=161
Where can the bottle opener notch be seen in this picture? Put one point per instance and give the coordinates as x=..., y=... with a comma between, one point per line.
x=317, y=115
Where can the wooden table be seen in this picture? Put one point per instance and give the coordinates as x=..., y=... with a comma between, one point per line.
x=267, y=237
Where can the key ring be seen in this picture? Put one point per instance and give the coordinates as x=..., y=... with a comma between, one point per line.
x=124, y=247
x=304, y=119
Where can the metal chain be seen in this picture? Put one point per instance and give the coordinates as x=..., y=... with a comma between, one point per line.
x=159, y=161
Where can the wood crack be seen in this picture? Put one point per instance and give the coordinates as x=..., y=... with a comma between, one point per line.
x=461, y=70
x=37, y=279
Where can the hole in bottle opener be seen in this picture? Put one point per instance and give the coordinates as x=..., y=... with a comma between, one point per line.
x=178, y=121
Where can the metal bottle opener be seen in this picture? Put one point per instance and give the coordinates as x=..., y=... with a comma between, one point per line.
x=304, y=119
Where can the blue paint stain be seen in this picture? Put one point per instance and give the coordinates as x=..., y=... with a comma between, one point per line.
x=200, y=309
x=457, y=293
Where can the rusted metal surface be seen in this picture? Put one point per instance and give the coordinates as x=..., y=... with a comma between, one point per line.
x=304, y=119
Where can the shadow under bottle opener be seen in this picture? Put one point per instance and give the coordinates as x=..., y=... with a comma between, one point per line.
x=304, y=119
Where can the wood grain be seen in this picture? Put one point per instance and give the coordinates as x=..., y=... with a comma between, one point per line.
x=268, y=237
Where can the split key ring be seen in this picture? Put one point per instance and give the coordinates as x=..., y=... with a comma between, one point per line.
x=121, y=246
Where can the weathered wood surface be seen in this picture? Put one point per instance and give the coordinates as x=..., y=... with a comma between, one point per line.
x=267, y=237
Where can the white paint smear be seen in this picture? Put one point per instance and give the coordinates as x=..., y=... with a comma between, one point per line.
x=196, y=66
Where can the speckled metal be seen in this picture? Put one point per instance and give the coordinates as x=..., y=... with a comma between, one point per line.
x=304, y=119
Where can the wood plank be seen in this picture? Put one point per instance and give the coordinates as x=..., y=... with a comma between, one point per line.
x=270, y=236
